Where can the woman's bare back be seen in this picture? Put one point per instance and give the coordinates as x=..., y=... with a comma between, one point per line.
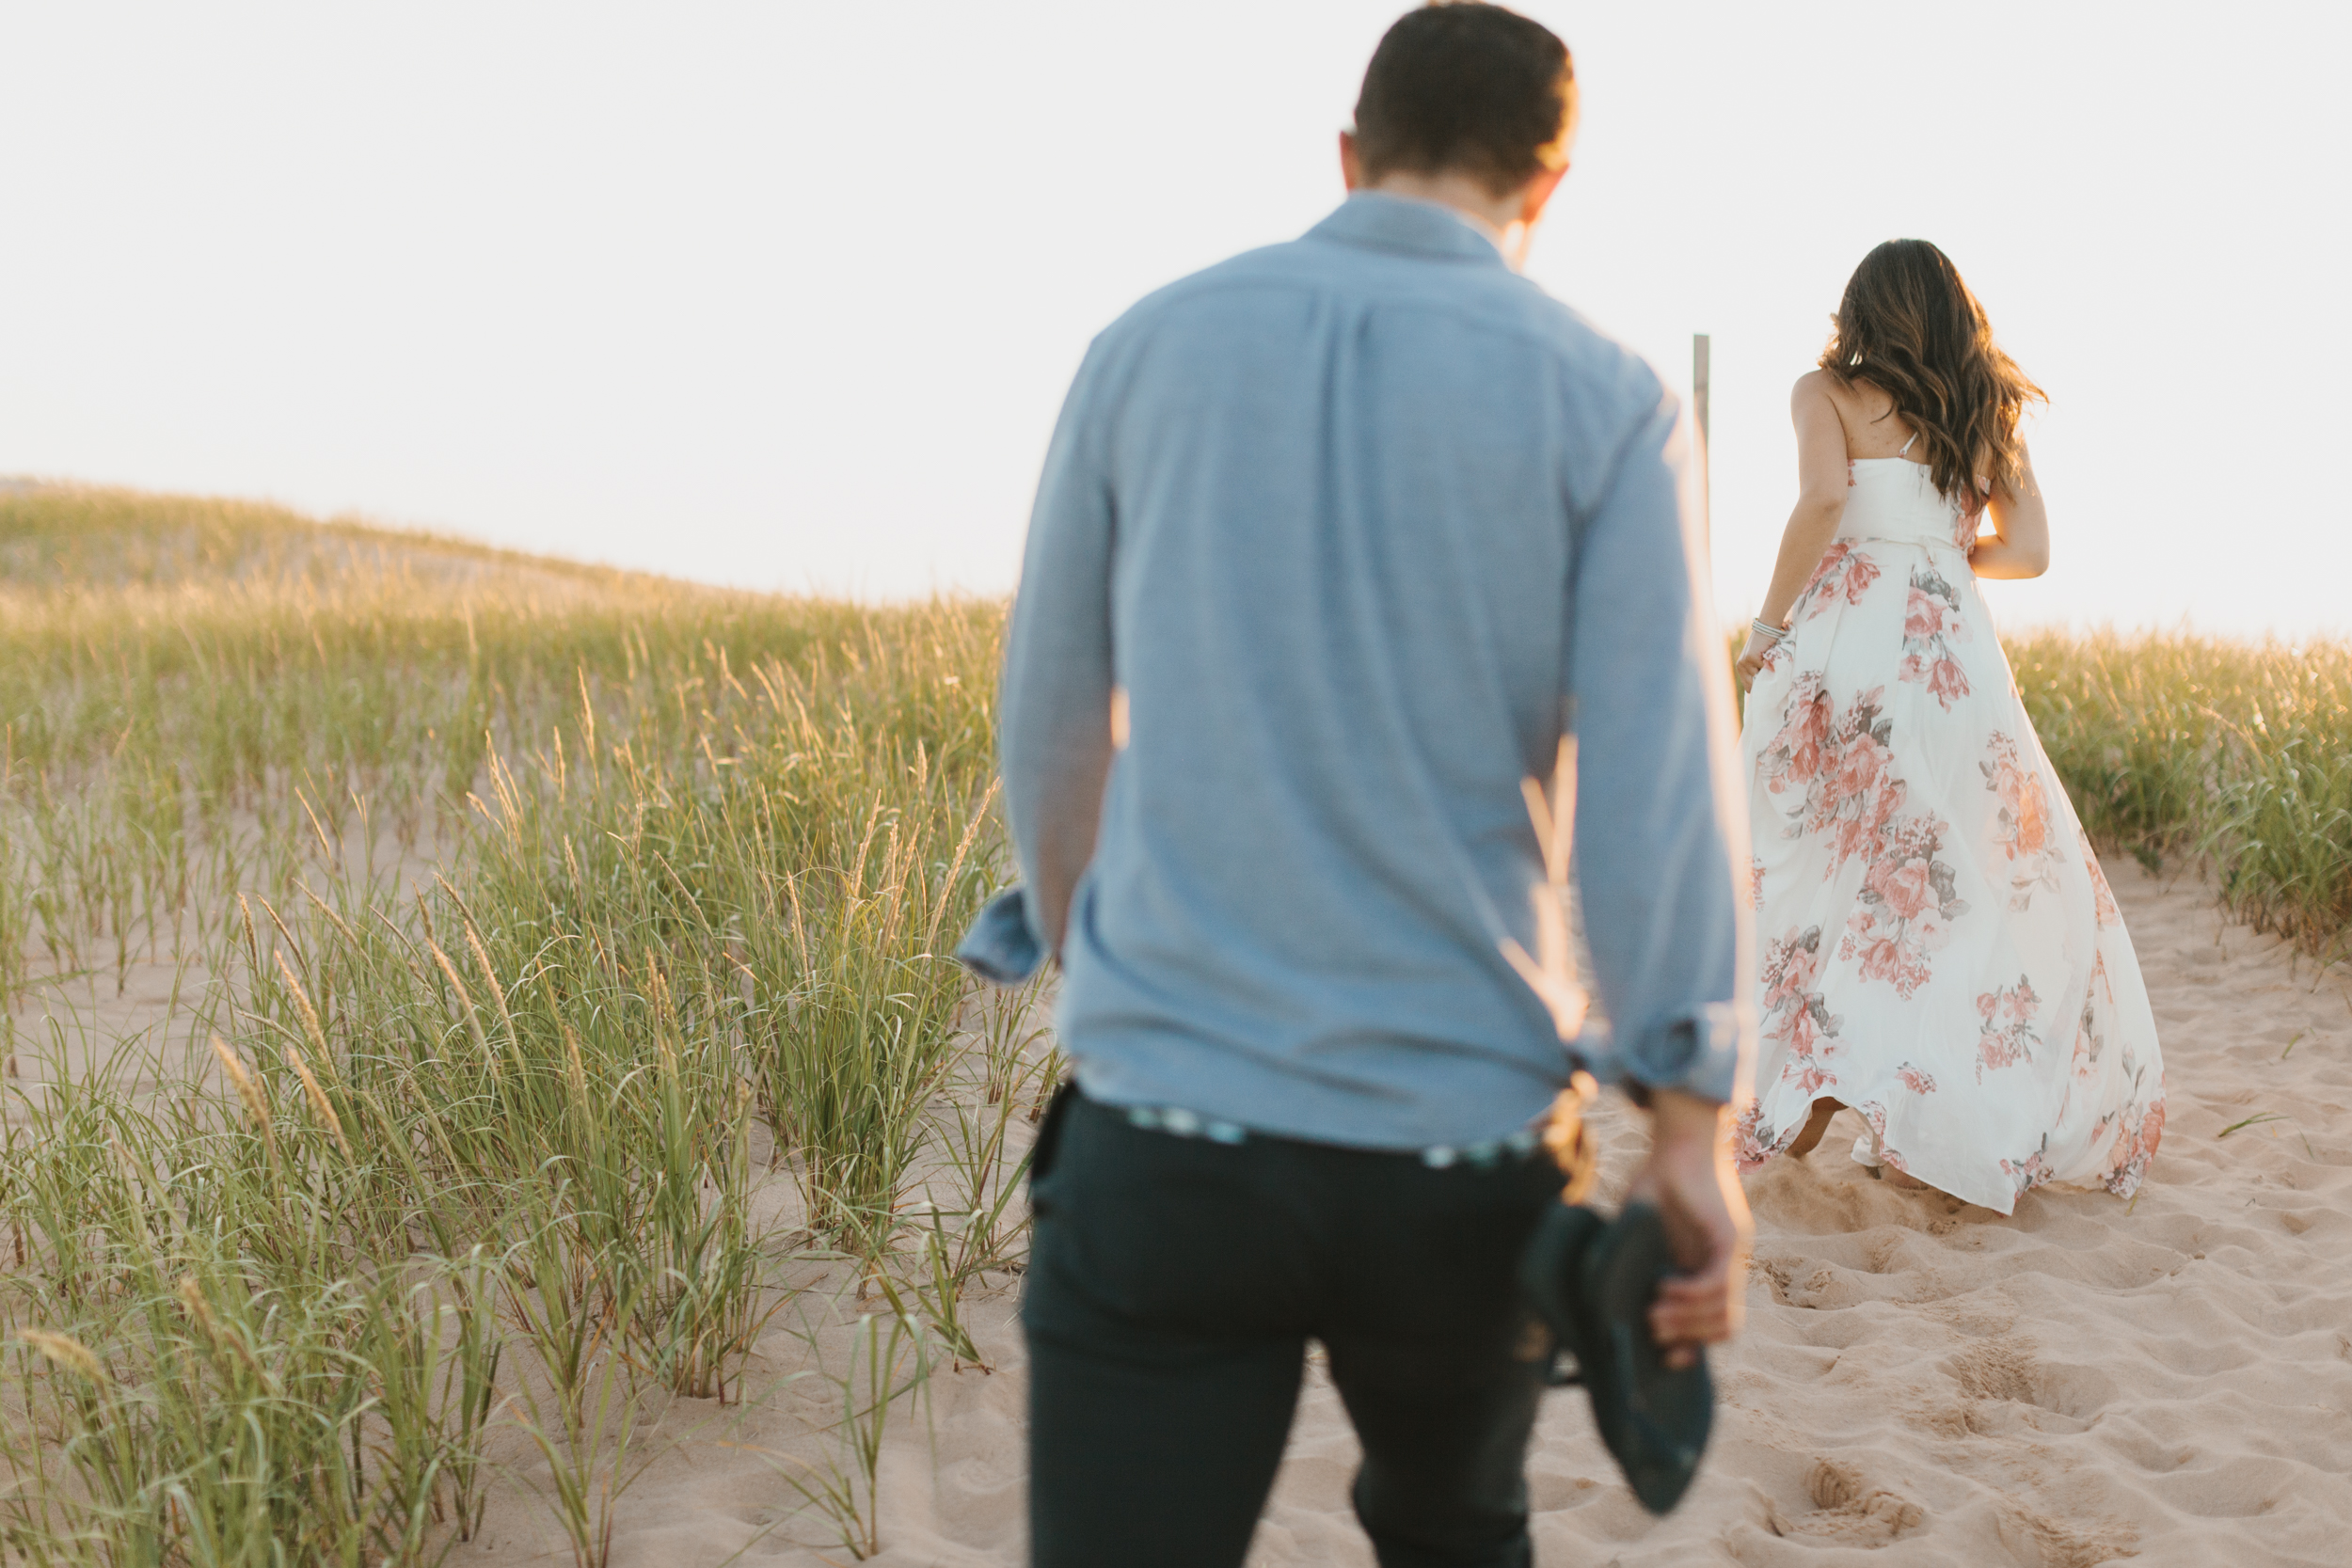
x=1873, y=429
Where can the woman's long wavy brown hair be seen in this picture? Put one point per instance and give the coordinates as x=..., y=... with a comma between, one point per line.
x=1909, y=326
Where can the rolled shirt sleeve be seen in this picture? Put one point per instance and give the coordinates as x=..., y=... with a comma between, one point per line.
x=1055, y=734
x=1660, y=829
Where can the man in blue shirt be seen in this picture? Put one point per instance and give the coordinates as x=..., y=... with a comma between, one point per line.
x=1354, y=560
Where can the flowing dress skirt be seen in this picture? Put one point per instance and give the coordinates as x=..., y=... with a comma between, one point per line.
x=1940, y=949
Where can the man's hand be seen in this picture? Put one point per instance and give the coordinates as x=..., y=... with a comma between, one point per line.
x=1690, y=1178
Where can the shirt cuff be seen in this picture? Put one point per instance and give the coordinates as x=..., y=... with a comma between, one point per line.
x=1002, y=948
x=1696, y=1050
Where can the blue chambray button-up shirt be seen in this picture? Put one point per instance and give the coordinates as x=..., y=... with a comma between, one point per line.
x=1362, y=524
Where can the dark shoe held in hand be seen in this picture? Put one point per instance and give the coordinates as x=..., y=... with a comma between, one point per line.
x=1592, y=1281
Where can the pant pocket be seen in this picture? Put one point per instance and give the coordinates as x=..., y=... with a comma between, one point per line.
x=1048, y=1144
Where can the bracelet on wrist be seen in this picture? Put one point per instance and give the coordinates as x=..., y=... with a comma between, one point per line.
x=1765, y=628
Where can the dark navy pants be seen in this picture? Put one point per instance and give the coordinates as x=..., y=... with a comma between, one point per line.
x=1172, y=1288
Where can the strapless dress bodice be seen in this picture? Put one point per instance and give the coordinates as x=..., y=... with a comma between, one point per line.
x=1891, y=501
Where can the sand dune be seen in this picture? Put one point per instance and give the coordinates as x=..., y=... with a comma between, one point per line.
x=1921, y=1382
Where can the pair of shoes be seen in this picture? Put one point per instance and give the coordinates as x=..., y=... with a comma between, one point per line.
x=1592, y=1281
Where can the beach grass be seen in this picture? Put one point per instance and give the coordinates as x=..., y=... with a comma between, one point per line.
x=2179, y=747
x=457, y=999
x=522, y=919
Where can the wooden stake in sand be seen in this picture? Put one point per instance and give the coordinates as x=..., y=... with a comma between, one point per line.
x=1700, y=347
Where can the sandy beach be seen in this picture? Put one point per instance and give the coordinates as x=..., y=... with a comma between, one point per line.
x=2167, y=1381
x=1920, y=1380
x=547, y=604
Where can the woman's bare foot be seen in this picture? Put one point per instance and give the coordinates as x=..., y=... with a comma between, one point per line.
x=1886, y=1170
x=1815, y=1126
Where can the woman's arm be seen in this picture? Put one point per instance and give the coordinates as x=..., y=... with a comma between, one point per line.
x=2019, y=545
x=1822, y=480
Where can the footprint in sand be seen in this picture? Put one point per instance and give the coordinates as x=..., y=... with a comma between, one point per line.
x=1846, y=1511
x=2060, y=1397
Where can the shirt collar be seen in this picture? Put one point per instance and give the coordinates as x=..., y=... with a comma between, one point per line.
x=1384, y=222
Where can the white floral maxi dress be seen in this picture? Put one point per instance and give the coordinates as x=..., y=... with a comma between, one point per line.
x=1940, y=949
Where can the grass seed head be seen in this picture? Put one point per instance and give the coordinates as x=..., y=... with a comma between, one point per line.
x=309, y=1014
x=318, y=1100
x=65, y=1350
x=256, y=1103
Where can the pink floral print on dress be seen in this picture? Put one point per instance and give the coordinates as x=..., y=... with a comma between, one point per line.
x=1844, y=573
x=2025, y=829
x=2102, y=895
x=1906, y=907
x=1931, y=623
x=2007, y=1036
x=1753, y=1142
x=2031, y=1171
x=2142, y=1129
x=1794, y=1014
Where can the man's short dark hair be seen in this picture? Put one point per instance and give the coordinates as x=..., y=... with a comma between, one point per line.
x=1469, y=88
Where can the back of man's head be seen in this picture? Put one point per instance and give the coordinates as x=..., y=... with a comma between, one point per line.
x=1469, y=88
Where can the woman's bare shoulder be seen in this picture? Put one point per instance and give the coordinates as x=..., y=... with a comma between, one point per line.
x=1815, y=399
x=1815, y=384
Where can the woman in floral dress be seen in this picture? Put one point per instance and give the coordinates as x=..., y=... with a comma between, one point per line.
x=1940, y=950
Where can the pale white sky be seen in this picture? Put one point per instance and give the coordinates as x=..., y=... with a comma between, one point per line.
x=786, y=294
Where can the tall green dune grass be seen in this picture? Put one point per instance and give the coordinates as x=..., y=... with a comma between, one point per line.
x=529, y=916
x=526, y=925
x=2186, y=747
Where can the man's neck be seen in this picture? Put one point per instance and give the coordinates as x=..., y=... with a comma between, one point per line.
x=1490, y=214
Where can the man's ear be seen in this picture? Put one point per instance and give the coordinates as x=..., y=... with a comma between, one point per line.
x=1536, y=192
x=1351, y=164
